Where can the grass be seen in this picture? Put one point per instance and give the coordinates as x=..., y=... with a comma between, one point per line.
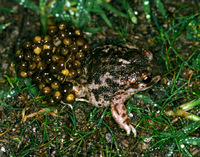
x=178, y=90
x=79, y=12
x=170, y=134
x=5, y=25
x=180, y=138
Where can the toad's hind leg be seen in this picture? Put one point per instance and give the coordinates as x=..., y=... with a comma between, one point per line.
x=119, y=113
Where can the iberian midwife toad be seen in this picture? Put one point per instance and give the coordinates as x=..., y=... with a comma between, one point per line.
x=112, y=75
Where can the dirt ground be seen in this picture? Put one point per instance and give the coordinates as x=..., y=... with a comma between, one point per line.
x=20, y=136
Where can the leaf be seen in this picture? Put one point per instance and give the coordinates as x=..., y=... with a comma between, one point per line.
x=192, y=127
x=146, y=6
x=160, y=6
x=29, y=4
x=196, y=62
x=191, y=140
x=33, y=90
x=184, y=149
x=7, y=106
x=146, y=99
x=2, y=91
x=27, y=82
x=109, y=7
x=3, y=26
x=7, y=10
x=129, y=11
x=129, y=107
x=105, y=18
x=11, y=93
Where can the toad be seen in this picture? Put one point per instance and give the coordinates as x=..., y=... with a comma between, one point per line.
x=114, y=73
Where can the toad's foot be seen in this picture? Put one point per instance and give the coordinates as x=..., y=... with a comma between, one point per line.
x=118, y=110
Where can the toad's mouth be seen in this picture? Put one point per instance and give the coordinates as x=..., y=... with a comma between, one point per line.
x=143, y=86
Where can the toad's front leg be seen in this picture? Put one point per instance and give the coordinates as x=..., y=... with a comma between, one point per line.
x=119, y=113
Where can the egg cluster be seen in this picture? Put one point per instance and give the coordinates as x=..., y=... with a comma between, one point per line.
x=53, y=60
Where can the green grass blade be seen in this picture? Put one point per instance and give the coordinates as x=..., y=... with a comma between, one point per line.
x=192, y=127
x=171, y=150
x=11, y=93
x=43, y=16
x=146, y=99
x=105, y=18
x=109, y=7
x=29, y=4
x=184, y=149
x=3, y=26
x=189, y=105
x=7, y=10
x=160, y=6
x=94, y=30
x=129, y=11
x=8, y=106
x=132, y=15
x=191, y=140
x=146, y=6
x=82, y=15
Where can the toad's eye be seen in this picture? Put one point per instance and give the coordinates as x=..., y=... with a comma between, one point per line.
x=146, y=77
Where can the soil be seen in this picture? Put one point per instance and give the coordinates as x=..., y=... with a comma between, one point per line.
x=35, y=137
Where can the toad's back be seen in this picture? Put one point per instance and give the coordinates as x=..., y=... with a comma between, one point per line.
x=115, y=68
x=113, y=74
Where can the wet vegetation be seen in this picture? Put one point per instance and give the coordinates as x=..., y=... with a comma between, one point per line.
x=166, y=117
